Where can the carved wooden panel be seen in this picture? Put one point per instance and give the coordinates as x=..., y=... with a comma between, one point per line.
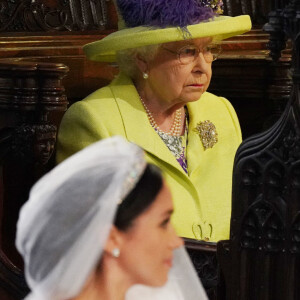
x=79, y=15
x=204, y=258
x=261, y=259
x=257, y=9
x=32, y=100
x=52, y=15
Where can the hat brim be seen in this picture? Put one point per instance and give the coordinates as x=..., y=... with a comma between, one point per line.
x=221, y=27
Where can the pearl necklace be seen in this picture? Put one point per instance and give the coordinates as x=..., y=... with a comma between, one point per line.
x=175, y=129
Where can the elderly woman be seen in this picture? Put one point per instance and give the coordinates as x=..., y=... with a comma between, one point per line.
x=92, y=213
x=165, y=51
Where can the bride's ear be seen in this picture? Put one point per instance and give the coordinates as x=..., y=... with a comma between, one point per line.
x=114, y=241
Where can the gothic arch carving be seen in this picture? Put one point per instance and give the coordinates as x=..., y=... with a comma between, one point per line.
x=262, y=228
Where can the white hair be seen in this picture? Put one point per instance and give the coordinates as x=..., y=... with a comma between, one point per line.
x=126, y=59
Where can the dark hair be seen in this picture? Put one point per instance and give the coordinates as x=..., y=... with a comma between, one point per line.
x=140, y=198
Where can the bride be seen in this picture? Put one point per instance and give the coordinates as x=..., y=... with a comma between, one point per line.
x=98, y=227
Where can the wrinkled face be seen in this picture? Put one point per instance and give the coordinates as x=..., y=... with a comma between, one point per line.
x=174, y=82
x=147, y=252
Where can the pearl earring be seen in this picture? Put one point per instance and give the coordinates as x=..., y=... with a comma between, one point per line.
x=115, y=252
x=145, y=75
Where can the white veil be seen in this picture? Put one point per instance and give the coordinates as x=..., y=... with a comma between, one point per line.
x=73, y=206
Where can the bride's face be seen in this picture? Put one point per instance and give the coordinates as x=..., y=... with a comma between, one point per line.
x=147, y=252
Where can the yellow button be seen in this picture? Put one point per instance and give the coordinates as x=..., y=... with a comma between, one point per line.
x=206, y=239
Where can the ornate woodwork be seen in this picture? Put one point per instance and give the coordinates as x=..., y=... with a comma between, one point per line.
x=261, y=259
x=52, y=15
x=79, y=15
x=257, y=9
x=204, y=259
x=32, y=101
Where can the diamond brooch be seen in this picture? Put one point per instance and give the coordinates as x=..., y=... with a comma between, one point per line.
x=208, y=133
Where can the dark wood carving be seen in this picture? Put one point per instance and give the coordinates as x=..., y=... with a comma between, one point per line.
x=204, y=259
x=34, y=143
x=257, y=9
x=275, y=27
x=79, y=15
x=52, y=15
x=32, y=99
x=261, y=260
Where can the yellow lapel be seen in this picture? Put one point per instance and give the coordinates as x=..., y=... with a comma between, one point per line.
x=195, y=150
x=197, y=157
x=136, y=124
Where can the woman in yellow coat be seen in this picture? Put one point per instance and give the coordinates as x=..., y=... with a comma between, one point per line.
x=159, y=101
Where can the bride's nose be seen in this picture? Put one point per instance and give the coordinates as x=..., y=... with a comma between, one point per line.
x=175, y=240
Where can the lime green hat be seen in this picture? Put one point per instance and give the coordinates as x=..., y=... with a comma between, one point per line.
x=142, y=24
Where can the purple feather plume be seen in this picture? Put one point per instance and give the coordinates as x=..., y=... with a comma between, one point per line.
x=164, y=13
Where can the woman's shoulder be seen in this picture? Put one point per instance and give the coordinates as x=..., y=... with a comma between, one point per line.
x=104, y=98
x=221, y=109
x=216, y=109
x=100, y=101
x=99, y=97
x=214, y=100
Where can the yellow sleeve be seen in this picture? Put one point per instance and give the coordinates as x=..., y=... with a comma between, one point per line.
x=234, y=118
x=80, y=127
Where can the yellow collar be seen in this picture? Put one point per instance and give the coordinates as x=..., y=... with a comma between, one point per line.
x=136, y=124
